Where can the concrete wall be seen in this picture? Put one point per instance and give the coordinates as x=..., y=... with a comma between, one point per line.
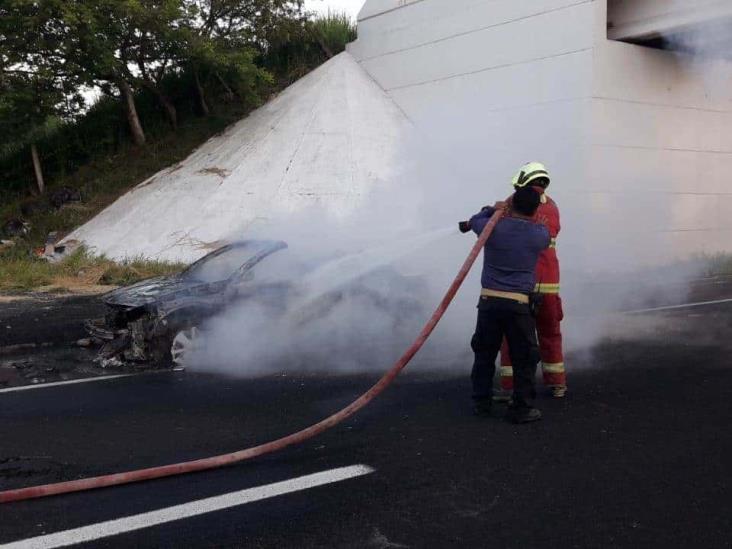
x=296, y=152
x=467, y=76
x=639, y=140
x=661, y=149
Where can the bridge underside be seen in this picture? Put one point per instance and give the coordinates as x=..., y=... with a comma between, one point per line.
x=703, y=26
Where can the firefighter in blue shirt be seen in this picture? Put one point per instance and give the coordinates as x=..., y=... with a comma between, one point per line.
x=505, y=306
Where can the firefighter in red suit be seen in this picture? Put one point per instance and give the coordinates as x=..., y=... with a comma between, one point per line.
x=549, y=315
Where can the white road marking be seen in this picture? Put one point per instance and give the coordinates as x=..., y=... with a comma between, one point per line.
x=57, y=383
x=682, y=306
x=187, y=510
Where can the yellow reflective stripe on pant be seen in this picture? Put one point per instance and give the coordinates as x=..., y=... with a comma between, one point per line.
x=553, y=243
x=557, y=368
x=544, y=288
x=507, y=371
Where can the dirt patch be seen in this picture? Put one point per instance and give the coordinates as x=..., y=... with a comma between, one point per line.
x=71, y=287
x=222, y=173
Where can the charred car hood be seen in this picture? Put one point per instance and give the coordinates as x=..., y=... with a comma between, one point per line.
x=152, y=290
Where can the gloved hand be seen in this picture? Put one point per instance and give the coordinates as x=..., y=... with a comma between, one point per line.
x=464, y=226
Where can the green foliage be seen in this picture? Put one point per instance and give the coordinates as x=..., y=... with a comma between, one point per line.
x=134, y=270
x=175, y=56
x=235, y=63
x=296, y=48
x=38, y=87
x=24, y=274
x=335, y=30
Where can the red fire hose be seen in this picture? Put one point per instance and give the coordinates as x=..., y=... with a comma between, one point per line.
x=255, y=451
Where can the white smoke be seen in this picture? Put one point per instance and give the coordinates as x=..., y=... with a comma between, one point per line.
x=358, y=288
x=361, y=287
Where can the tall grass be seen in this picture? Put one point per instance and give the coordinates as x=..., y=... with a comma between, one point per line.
x=335, y=30
x=21, y=272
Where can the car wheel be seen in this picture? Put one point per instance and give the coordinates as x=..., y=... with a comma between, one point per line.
x=184, y=344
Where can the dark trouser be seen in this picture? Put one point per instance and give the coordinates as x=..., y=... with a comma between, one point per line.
x=498, y=317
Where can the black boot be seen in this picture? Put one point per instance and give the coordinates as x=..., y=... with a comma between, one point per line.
x=482, y=407
x=523, y=414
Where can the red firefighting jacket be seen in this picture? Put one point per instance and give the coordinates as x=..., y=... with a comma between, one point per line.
x=547, y=268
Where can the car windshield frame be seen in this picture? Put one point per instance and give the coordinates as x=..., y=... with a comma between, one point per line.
x=262, y=249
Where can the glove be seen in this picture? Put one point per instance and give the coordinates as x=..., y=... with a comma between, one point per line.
x=464, y=226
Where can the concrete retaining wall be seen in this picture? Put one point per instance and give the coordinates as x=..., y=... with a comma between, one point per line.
x=639, y=140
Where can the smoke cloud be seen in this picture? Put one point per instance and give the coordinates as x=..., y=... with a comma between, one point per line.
x=358, y=287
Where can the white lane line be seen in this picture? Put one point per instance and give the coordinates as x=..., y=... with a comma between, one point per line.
x=57, y=383
x=187, y=510
x=682, y=306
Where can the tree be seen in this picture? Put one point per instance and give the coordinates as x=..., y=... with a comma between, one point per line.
x=85, y=42
x=224, y=37
x=38, y=87
x=99, y=39
x=157, y=46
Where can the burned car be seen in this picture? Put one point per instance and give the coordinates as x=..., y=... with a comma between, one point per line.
x=159, y=320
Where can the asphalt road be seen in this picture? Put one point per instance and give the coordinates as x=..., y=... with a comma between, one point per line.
x=43, y=319
x=638, y=455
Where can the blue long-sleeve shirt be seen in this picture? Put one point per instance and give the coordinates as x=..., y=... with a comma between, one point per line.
x=511, y=252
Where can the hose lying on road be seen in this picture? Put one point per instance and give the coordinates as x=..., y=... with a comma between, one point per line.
x=300, y=436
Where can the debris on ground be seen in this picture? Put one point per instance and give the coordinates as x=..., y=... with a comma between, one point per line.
x=16, y=227
x=38, y=335
x=112, y=362
x=21, y=364
x=55, y=252
x=64, y=195
x=46, y=364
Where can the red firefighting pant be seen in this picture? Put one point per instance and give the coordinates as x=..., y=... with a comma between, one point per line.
x=548, y=320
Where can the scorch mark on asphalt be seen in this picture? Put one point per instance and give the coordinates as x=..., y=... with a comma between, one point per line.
x=187, y=510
